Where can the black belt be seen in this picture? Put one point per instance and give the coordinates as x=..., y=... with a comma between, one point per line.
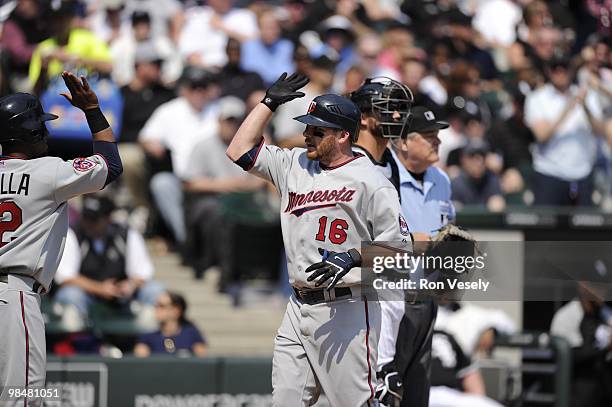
x=316, y=296
x=36, y=287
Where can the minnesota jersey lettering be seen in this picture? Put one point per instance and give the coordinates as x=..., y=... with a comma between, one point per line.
x=326, y=196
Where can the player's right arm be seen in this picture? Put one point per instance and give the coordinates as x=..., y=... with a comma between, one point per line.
x=247, y=145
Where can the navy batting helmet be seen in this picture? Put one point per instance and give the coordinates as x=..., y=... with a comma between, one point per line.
x=22, y=118
x=333, y=111
x=385, y=98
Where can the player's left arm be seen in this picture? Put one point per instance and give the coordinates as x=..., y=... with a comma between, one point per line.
x=82, y=96
x=250, y=132
x=384, y=215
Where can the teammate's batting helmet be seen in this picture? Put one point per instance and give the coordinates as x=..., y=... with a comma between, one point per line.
x=385, y=98
x=22, y=118
x=333, y=111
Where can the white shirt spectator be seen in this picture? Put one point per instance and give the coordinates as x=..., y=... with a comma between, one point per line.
x=478, y=319
x=137, y=261
x=208, y=159
x=566, y=323
x=122, y=52
x=180, y=128
x=160, y=11
x=199, y=37
x=570, y=153
x=496, y=21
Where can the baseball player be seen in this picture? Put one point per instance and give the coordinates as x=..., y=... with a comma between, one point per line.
x=331, y=201
x=405, y=348
x=34, y=189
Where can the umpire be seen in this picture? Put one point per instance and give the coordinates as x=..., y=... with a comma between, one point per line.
x=425, y=196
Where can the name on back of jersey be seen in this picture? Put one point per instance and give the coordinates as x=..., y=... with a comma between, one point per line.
x=300, y=203
x=14, y=184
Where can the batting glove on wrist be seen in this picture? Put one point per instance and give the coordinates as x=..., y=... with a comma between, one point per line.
x=284, y=90
x=334, y=266
x=389, y=389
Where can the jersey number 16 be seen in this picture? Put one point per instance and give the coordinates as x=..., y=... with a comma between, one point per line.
x=337, y=230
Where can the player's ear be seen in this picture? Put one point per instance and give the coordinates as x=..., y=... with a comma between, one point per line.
x=345, y=136
x=364, y=121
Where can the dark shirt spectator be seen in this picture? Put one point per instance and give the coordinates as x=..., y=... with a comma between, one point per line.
x=176, y=336
x=476, y=185
x=234, y=80
x=104, y=262
x=586, y=323
x=144, y=93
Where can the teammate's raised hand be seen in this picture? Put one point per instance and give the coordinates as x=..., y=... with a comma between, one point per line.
x=284, y=90
x=81, y=94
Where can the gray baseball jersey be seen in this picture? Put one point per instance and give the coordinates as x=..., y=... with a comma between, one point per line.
x=328, y=347
x=33, y=210
x=332, y=208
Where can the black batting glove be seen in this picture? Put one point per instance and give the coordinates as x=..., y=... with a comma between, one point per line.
x=389, y=391
x=334, y=266
x=284, y=90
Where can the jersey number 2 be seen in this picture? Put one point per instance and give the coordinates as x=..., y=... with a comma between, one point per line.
x=11, y=224
x=337, y=230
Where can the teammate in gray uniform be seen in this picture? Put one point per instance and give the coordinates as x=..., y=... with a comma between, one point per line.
x=34, y=189
x=405, y=343
x=332, y=200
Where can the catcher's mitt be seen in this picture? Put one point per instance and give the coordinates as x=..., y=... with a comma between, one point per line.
x=450, y=255
x=452, y=233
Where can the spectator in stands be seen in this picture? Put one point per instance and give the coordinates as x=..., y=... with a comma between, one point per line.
x=67, y=47
x=234, y=79
x=208, y=175
x=104, y=261
x=476, y=185
x=513, y=140
x=141, y=97
x=586, y=323
x=472, y=127
x=398, y=46
x=455, y=29
x=288, y=132
x=123, y=50
x=21, y=33
x=455, y=381
x=566, y=122
x=176, y=335
x=414, y=70
x=473, y=327
x=168, y=138
x=269, y=55
x=107, y=21
x=167, y=16
x=338, y=38
x=368, y=49
x=207, y=29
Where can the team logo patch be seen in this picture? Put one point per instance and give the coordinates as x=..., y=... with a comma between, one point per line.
x=83, y=164
x=312, y=107
x=403, y=226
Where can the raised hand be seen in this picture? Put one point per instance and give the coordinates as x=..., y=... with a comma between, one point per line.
x=81, y=95
x=284, y=90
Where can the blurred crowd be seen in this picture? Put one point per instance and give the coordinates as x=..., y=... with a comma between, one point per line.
x=526, y=86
